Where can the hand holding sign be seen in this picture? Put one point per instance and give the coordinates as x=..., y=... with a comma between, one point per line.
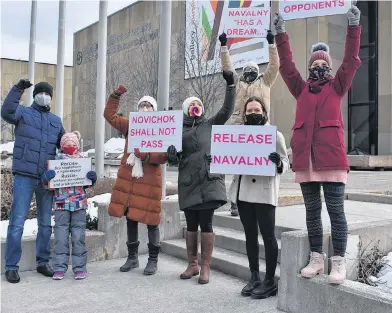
x=353, y=16
x=140, y=155
x=47, y=177
x=279, y=23
x=270, y=37
x=275, y=158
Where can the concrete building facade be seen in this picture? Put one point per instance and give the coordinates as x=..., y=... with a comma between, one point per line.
x=13, y=70
x=133, y=33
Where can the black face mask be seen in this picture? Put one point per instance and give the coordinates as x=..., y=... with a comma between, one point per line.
x=319, y=72
x=250, y=77
x=255, y=119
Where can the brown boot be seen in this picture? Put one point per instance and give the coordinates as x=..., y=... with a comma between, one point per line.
x=207, y=245
x=191, y=248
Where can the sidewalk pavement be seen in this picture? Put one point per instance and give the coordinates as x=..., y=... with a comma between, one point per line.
x=106, y=289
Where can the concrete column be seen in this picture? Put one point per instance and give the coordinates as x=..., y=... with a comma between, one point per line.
x=32, y=50
x=164, y=68
x=60, y=62
x=101, y=90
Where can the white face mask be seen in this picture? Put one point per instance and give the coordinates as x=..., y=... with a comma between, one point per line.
x=42, y=99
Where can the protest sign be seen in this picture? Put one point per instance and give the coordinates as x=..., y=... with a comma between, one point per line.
x=248, y=22
x=245, y=24
x=70, y=172
x=155, y=131
x=292, y=10
x=243, y=150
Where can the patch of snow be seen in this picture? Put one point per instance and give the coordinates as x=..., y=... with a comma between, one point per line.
x=7, y=147
x=383, y=280
x=30, y=227
x=93, y=203
x=113, y=145
x=172, y=197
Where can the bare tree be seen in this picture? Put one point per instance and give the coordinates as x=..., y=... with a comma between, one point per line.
x=202, y=66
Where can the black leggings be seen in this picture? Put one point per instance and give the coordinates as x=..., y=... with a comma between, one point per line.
x=334, y=199
x=252, y=214
x=194, y=218
x=133, y=232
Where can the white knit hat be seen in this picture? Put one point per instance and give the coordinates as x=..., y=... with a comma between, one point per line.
x=150, y=100
x=253, y=65
x=187, y=103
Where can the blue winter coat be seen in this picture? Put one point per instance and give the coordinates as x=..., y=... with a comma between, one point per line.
x=37, y=134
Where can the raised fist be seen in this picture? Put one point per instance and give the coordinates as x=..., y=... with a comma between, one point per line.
x=270, y=37
x=353, y=16
x=228, y=77
x=120, y=90
x=223, y=39
x=279, y=23
x=24, y=84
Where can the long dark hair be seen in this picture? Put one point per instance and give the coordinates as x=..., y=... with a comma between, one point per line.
x=259, y=100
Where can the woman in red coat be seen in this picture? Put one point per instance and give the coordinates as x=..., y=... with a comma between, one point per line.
x=319, y=151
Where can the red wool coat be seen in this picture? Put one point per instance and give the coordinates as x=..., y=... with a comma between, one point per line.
x=318, y=130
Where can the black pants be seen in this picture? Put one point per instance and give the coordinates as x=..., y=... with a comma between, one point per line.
x=334, y=199
x=262, y=215
x=194, y=218
x=133, y=234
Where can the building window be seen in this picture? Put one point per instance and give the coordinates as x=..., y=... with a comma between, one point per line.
x=363, y=95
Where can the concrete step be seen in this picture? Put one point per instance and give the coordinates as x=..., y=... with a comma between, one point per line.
x=95, y=244
x=224, y=219
x=234, y=240
x=225, y=261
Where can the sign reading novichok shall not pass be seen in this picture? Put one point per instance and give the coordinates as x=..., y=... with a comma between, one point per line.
x=155, y=131
x=243, y=150
x=70, y=172
x=292, y=10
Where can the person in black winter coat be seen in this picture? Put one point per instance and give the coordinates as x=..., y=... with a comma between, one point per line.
x=200, y=193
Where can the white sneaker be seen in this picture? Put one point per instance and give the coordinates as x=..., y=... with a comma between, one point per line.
x=338, y=271
x=315, y=265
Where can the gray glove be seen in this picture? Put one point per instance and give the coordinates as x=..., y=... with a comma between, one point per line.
x=279, y=23
x=353, y=16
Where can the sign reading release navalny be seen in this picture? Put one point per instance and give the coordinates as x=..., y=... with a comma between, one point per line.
x=243, y=150
x=155, y=131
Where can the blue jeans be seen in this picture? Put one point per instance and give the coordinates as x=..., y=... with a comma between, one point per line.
x=23, y=189
x=73, y=223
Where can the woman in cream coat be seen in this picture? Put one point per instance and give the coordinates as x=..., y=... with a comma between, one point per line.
x=257, y=198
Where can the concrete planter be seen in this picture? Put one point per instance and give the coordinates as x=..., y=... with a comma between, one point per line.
x=109, y=242
x=299, y=295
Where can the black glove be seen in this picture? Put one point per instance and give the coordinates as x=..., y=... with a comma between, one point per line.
x=275, y=158
x=209, y=158
x=24, y=84
x=228, y=77
x=223, y=39
x=172, y=155
x=270, y=37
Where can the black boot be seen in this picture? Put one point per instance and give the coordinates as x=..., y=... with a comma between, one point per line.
x=266, y=289
x=12, y=276
x=132, y=260
x=152, y=264
x=45, y=270
x=253, y=283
